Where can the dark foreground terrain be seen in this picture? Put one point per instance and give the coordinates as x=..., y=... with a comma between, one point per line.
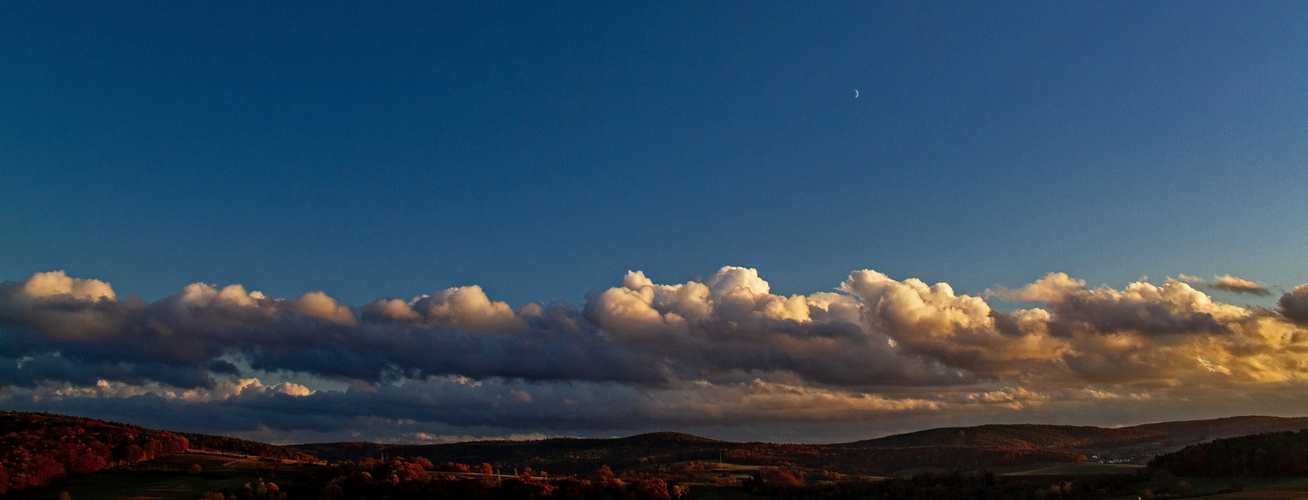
x=40, y=460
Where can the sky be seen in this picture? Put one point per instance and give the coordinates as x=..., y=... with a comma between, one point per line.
x=425, y=222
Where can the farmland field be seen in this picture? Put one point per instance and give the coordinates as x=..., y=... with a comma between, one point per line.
x=1081, y=468
x=170, y=478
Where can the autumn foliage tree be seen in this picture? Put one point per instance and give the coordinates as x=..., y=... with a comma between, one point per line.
x=348, y=480
x=39, y=448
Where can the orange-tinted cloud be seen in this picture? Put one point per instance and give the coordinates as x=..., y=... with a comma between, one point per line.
x=724, y=345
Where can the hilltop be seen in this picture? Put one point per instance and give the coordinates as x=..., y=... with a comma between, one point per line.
x=231, y=445
x=40, y=448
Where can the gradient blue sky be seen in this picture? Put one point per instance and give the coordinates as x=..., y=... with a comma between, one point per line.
x=542, y=150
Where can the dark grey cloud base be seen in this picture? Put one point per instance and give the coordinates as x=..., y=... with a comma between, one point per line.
x=719, y=352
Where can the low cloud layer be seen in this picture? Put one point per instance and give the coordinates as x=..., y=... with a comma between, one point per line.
x=723, y=351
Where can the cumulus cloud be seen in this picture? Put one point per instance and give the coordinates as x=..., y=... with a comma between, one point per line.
x=63, y=307
x=1227, y=283
x=722, y=348
x=1294, y=305
x=960, y=331
x=463, y=307
x=57, y=284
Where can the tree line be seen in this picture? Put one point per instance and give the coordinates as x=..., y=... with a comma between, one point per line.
x=417, y=478
x=1270, y=454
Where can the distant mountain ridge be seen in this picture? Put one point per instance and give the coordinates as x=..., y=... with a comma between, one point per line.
x=475, y=452
x=994, y=445
x=224, y=444
x=1067, y=437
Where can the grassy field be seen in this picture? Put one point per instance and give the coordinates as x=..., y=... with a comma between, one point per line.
x=735, y=472
x=705, y=492
x=1271, y=487
x=1261, y=495
x=170, y=478
x=1078, y=469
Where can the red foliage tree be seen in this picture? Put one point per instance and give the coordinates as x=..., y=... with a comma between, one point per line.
x=781, y=478
x=453, y=467
x=133, y=453
x=654, y=489
x=421, y=462
x=602, y=475
x=44, y=468
x=36, y=448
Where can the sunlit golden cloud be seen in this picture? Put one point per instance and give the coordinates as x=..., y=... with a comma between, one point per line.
x=722, y=348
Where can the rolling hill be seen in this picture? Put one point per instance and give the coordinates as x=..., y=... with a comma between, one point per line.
x=40, y=448
x=1270, y=454
x=559, y=454
x=1138, y=440
x=952, y=448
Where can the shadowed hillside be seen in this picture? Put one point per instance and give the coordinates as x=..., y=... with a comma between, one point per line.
x=1271, y=454
x=1011, y=436
x=37, y=449
x=224, y=444
x=40, y=448
x=576, y=456
x=954, y=448
x=558, y=454
x=1139, y=439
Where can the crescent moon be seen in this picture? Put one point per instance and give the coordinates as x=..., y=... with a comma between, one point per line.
x=856, y=93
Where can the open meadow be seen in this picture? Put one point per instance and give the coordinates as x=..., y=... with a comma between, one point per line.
x=175, y=477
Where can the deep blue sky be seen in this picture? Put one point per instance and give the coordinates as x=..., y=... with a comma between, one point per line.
x=541, y=150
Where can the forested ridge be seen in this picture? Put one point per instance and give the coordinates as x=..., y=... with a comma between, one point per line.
x=579, y=456
x=1271, y=454
x=952, y=448
x=1015, y=436
x=224, y=444
x=38, y=448
x=1076, y=438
